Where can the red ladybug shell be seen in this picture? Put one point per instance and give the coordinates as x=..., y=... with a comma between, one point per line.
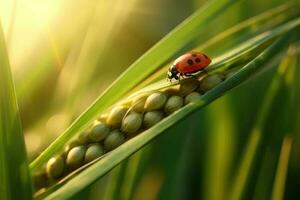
x=191, y=62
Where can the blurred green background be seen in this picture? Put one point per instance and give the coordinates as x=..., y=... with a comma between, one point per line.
x=64, y=53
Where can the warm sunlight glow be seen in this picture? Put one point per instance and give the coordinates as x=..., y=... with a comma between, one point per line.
x=25, y=24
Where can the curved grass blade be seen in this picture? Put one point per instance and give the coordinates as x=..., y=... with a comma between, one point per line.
x=101, y=167
x=239, y=55
x=14, y=172
x=248, y=28
x=149, y=62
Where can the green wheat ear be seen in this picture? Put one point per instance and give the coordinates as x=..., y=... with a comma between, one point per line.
x=134, y=125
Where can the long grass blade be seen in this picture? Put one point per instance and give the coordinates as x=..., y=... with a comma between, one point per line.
x=239, y=55
x=279, y=183
x=14, y=172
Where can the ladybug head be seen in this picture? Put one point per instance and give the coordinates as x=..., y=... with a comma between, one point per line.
x=173, y=73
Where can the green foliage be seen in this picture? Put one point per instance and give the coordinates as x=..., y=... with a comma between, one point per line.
x=279, y=92
x=250, y=49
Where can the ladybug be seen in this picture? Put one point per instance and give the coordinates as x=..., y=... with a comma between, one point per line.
x=188, y=64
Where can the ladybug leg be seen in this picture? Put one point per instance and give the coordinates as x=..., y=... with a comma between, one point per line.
x=170, y=76
x=191, y=75
x=168, y=79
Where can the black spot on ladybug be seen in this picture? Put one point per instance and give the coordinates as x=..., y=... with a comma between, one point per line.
x=205, y=56
x=198, y=60
x=190, y=62
x=194, y=55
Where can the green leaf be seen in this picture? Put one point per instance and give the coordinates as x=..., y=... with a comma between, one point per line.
x=14, y=173
x=279, y=182
x=139, y=70
x=93, y=172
